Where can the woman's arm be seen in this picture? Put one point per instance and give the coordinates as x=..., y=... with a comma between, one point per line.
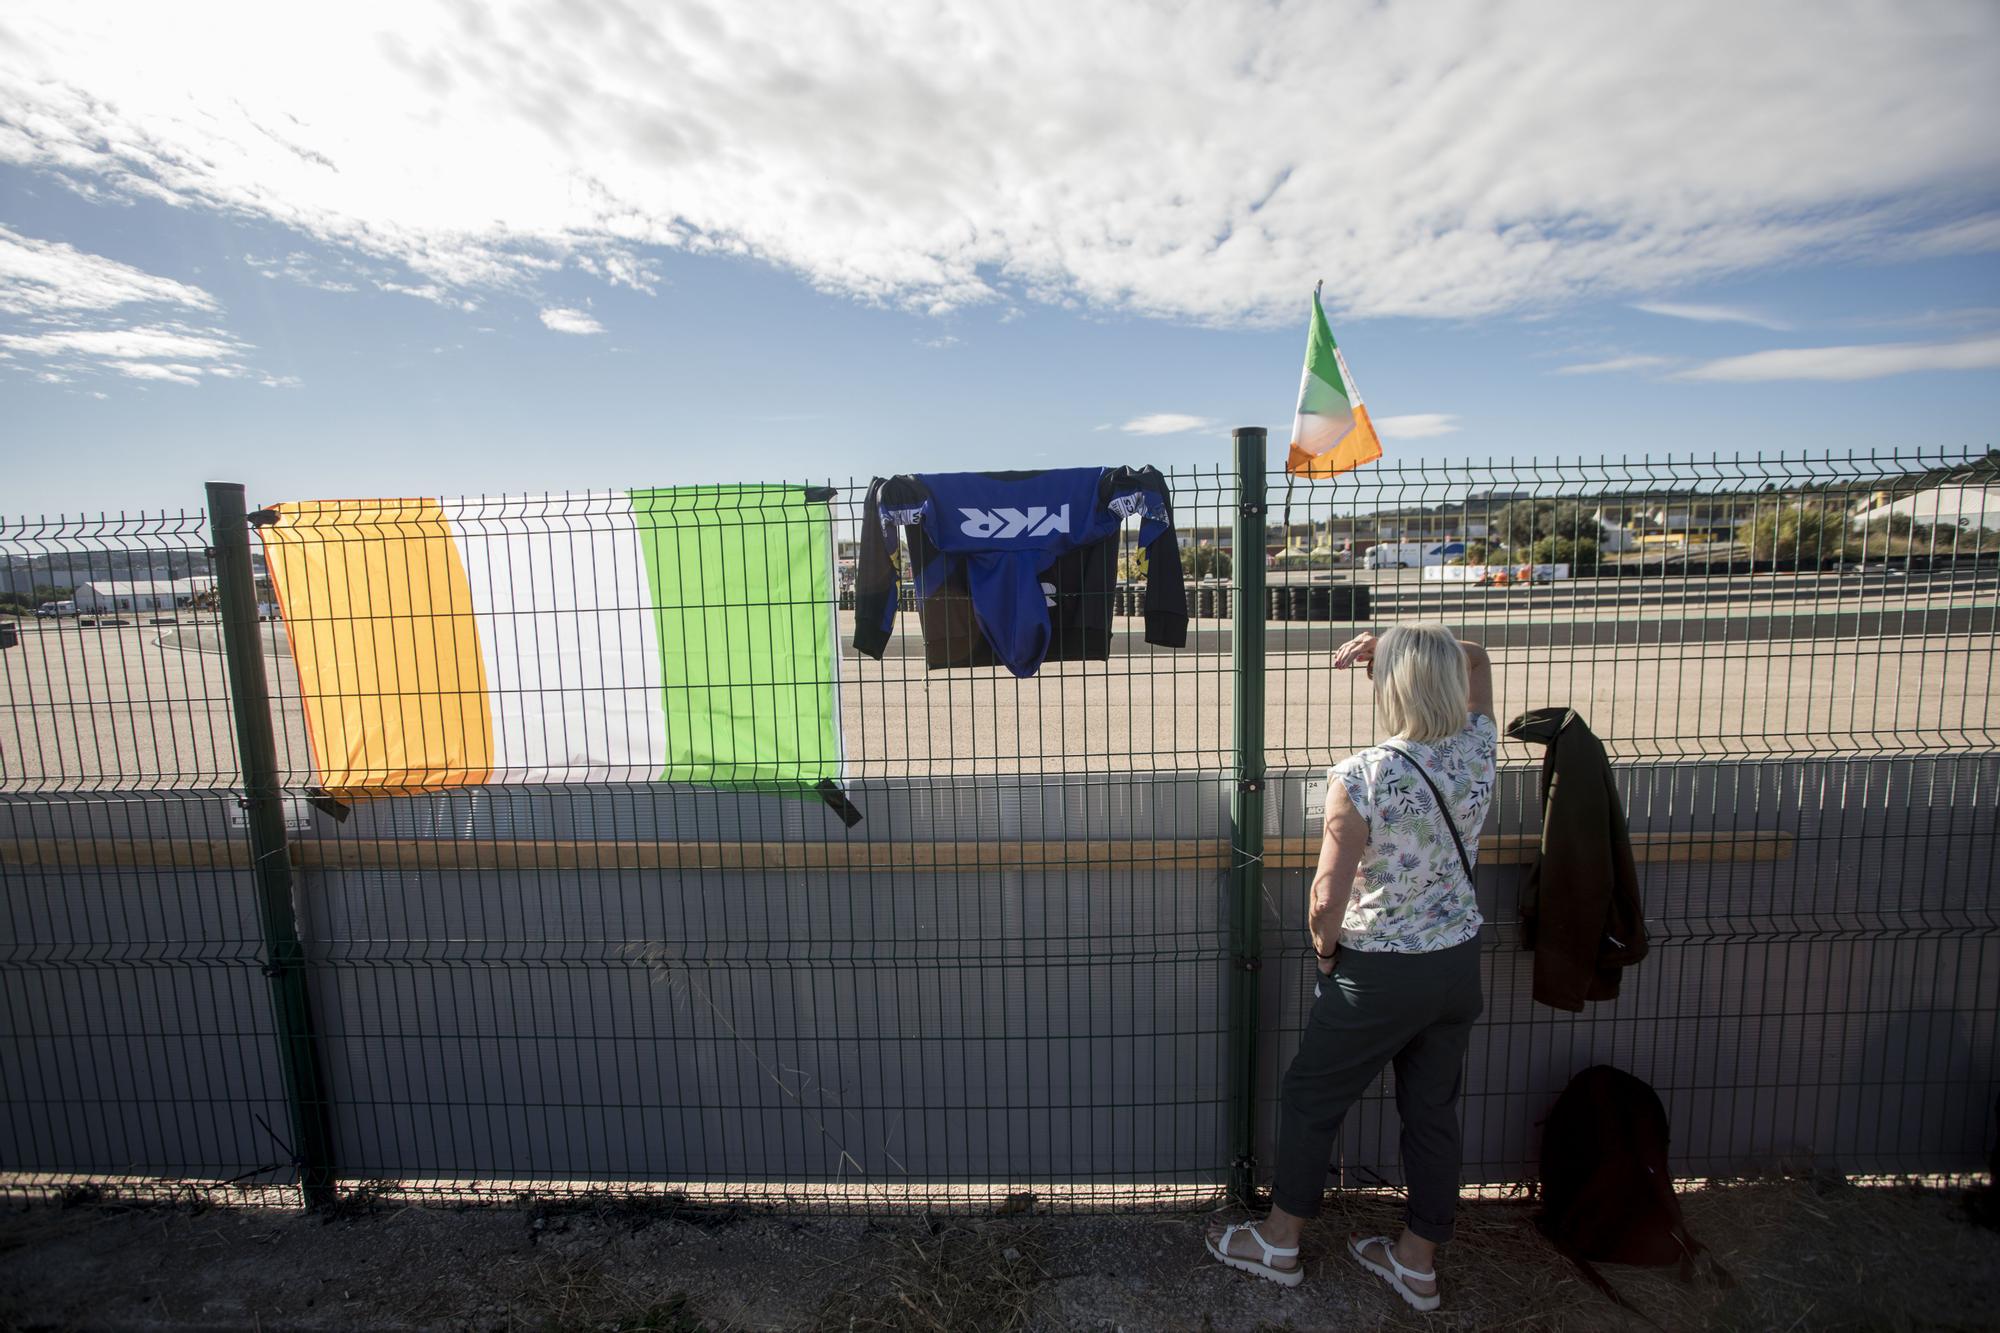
x=1345, y=839
x=1360, y=651
x=1479, y=674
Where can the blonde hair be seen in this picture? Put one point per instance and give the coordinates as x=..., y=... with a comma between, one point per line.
x=1421, y=682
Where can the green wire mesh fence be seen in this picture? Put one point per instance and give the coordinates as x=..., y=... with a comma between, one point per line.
x=635, y=942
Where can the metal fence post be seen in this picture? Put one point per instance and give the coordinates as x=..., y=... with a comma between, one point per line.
x=1246, y=809
x=263, y=804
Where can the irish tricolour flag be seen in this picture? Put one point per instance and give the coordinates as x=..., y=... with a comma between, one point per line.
x=1331, y=433
x=684, y=635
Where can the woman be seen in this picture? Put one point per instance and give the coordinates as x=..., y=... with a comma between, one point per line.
x=1394, y=922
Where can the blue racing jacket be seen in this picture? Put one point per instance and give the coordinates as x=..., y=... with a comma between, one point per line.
x=1013, y=568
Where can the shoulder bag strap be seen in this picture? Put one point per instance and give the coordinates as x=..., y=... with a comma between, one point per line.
x=1443, y=809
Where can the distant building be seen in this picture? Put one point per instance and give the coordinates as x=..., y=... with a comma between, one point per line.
x=110, y=596
x=1949, y=506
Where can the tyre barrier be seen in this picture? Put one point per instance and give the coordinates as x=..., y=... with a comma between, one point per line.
x=1318, y=601
x=1296, y=601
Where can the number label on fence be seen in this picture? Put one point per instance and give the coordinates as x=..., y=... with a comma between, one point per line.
x=298, y=814
x=1315, y=800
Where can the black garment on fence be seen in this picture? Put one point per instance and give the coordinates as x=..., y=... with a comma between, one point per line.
x=1580, y=911
x=1077, y=583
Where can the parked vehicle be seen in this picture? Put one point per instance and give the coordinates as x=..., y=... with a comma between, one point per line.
x=1497, y=577
x=48, y=610
x=1411, y=555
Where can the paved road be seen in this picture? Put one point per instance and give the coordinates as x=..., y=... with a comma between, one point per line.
x=141, y=707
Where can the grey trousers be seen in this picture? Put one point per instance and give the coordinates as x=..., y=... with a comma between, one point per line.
x=1416, y=1009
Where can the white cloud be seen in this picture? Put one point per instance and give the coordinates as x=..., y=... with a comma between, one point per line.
x=564, y=320
x=1865, y=362
x=153, y=370
x=1712, y=314
x=48, y=279
x=1970, y=316
x=126, y=344
x=75, y=308
x=1616, y=363
x=1416, y=426
x=1173, y=162
x=299, y=267
x=621, y=268
x=939, y=343
x=174, y=353
x=1166, y=423
x=437, y=293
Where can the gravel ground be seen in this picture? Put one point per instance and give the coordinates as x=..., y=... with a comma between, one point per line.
x=1807, y=1253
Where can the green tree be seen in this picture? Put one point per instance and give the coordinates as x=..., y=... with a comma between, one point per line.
x=1801, y=532
x=1899, y=525
x=1522, y=523
x=1207, y=561
x=28, y=601
x=1197, y=562
x=1580, y=553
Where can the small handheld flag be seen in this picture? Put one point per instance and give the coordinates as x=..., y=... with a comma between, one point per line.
x=1332, y=433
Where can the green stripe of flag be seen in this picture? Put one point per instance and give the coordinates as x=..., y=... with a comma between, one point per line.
x=742, y=590
x=1323, y=392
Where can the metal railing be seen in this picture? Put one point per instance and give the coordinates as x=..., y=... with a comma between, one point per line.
x=1060, y=954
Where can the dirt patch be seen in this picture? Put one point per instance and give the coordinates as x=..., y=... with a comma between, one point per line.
x=1804, y=1253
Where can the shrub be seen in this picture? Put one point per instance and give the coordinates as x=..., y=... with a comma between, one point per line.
x=1208, y=561
x=1522, y=523
x=1581, y=554
x=1899, y=525
x=1800, y=532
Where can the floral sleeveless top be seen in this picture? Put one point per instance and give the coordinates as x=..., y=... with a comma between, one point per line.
x=1411, y=894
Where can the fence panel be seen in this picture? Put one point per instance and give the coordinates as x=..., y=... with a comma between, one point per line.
x=1791, y=664
x=1011, y=976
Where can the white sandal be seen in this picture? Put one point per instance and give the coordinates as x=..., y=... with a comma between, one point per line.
x=1288, y=1277
x=1418, y=1300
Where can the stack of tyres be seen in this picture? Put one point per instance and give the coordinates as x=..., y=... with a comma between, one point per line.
x=1319, y=602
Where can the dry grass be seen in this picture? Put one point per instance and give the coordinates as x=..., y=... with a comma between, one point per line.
x=582, y=1293
x=1807, y=1253
x=957, y=1275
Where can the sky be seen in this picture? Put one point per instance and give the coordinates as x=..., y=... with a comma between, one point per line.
x=452, y=248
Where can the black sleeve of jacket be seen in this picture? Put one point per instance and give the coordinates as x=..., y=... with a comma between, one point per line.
x=1166, y=587
x=1166, y=593
x=874, y=581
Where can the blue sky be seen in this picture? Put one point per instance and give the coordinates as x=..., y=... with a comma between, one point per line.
x=447, y=286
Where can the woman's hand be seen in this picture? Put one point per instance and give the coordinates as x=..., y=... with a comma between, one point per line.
x=1326, y=964
x=1357, y=651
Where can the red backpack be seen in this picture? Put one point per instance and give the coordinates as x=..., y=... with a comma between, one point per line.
x=1606, y=1190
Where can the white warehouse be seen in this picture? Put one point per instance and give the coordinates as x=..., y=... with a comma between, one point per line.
x=1952, y=506
x=115, y=595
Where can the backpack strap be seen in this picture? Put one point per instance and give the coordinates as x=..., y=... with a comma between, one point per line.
x=1443, y=809
x=1597, y=1280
